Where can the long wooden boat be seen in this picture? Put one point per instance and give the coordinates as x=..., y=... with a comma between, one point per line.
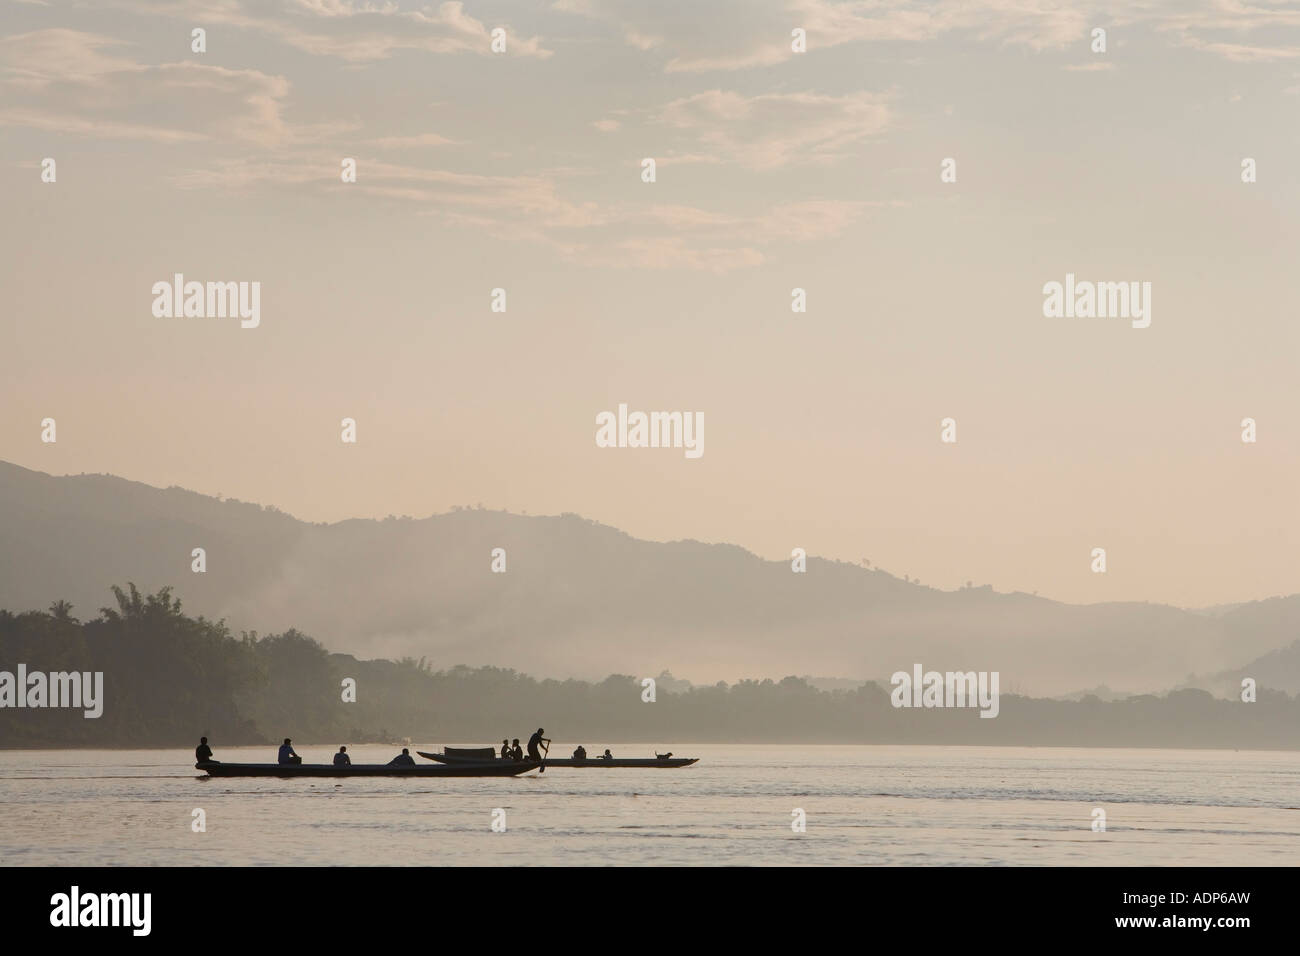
x=468, y=769
x=453, y=760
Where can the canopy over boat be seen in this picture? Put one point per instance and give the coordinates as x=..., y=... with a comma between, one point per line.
x=503, y=768
x=452, y=760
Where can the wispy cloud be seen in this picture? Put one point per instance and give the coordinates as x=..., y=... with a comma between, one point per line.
x=68, y=80
x=668, y=252
x=776, y=129
x=533, y=208
x=350, y=31
x=408, y=142
x=93, y=127
x=730, y=35
x=737, y=35
x=1242, y=52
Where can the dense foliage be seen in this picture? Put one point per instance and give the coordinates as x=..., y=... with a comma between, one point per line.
x=169, y=678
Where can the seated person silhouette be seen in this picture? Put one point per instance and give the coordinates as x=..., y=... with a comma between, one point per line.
x=580, y=753
x=341, y=759
x=203, y=753
x=404, y=759
x=607, y=755
x=287, y=754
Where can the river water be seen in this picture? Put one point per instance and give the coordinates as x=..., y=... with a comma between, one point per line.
x=863, y=805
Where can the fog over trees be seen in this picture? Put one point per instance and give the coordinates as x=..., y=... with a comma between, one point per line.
x=170, y=677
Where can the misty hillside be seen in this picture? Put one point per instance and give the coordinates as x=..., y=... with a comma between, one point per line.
x=1278, y=669
x=582, y=599
x=169, y=677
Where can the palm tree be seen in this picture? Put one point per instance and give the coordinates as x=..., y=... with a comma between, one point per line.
x=135, y=606
x=61, y=611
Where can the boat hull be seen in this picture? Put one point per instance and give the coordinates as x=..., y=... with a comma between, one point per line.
x=617, y=762
x=480, y=769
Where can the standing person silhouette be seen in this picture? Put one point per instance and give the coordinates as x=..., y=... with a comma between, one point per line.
x=534, y=745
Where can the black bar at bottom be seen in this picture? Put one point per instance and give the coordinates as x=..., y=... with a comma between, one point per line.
x=230, y=906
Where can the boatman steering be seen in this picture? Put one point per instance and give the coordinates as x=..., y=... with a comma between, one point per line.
x=534, y=744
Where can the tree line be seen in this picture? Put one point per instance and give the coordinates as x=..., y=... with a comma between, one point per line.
x=170, y=677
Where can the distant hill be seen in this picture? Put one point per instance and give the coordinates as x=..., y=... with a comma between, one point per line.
x=583, y=599
x=1279, y=670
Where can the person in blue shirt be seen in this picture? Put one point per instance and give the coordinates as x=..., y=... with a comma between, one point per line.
x=287, y=754
x=341, y=759
x=404, y=759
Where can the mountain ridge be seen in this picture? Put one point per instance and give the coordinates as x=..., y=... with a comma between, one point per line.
x=580, y=598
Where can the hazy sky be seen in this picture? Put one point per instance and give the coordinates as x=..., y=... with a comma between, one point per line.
x=775, y=170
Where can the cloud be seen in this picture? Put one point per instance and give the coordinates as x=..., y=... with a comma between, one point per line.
x=405, y=142
x=688, y=237
x=506, y=200
x=701, y=240
x=764, y=55
x=68, y=80
x=98, y=128
x=810, y=220
x=738, y=34
x=35, y=60
x=532, y=209
x=1241, y=52
x=804, y=221
x=640, y=40
x=729, y=35
x=775, y=129
x=350, y=31
x=670, y=252
x=343, y=8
